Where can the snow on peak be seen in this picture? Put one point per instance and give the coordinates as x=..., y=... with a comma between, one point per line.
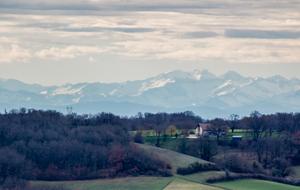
x=76, y=100
x=226, y=92
x=113, y=92
x=197, y=77
x=169, y=71
x=44, y=92
x=222, y=86
x=154, y=84
x=67, y=90
x=297, y=88
x=246, y=83
x=3, y=80
x=204, y=73
x=175, y=74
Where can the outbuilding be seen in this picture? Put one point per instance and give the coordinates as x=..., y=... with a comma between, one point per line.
x=237, y=138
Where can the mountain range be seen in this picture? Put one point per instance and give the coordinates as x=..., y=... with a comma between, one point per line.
x=199, y=91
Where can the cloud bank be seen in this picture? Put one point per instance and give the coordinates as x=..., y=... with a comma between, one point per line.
x=233, y=31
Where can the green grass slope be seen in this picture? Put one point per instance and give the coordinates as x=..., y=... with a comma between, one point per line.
x=126, y=183
x=176, y=159
x=200, y=177
x=253, y=184
x=296, y=169
x=181, y=184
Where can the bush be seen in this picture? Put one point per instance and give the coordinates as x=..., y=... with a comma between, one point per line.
x=49, y=187
x=138, y=138
x=237, y=164
x=197, y=167
x=136, y=161
x=229, y=177
x=13, y=183
x=280, y=167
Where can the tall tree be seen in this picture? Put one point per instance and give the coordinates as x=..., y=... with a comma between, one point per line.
x=207, y=147
x=218, y=126
x=256, y=124
x=233, y=121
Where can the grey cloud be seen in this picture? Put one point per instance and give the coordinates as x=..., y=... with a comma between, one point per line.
x=100, y=29
x=140, y=5
x=262, y=34
x=42, y=25
x=201, y=34
x=85, y=7
x=63, y=27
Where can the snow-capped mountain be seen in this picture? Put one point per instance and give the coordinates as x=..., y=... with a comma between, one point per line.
x=199, y=91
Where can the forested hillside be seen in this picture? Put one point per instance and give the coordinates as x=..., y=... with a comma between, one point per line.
x=47, y=145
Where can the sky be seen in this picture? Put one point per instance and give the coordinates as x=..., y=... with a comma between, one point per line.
x=57, y=42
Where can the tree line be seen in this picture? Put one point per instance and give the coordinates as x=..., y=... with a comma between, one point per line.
x=47, y=145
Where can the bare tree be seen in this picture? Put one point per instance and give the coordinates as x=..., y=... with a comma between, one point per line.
x=256, y=124
x=259, y=147
x=218, y=126
x=233, y=121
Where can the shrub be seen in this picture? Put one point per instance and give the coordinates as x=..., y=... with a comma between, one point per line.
x=49, y=187
x=280, y=167
x=197, y=167
x=138, y=138
x=13, y=183
x=237, y=164
x=228, y=177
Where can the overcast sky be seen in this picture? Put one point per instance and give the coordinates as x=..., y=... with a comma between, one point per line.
x=72, y=41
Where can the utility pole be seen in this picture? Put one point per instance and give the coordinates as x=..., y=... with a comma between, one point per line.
x=69, y=109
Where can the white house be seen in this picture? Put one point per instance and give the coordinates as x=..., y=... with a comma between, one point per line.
x=202, y=129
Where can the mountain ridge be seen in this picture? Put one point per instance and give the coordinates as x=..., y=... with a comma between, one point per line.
x=176, y=90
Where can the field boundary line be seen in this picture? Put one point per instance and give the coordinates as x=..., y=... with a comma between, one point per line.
x=168, y=184
x=208, y=184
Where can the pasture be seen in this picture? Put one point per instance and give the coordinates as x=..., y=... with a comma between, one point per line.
x=296, y=169
x=254, y=184
x=181, y=184
x=126, y=183
x=176, y=159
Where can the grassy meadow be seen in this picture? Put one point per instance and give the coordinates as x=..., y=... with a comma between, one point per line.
x=178, y=184
x=253, y=184
x=200, y=177
x=126, y=183
x=176, y=159
x=296, y=169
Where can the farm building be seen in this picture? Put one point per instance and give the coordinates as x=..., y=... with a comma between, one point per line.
x=202, y=129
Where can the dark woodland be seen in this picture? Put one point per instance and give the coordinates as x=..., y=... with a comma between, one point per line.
x=48, y=145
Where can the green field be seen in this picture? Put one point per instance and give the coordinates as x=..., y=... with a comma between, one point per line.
x=126, y=183
x=181, y=184
x=131, y=183
x=152, y=132
x=253, y=184
x=176, y=159
x=201, y=176
x=296, y=169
